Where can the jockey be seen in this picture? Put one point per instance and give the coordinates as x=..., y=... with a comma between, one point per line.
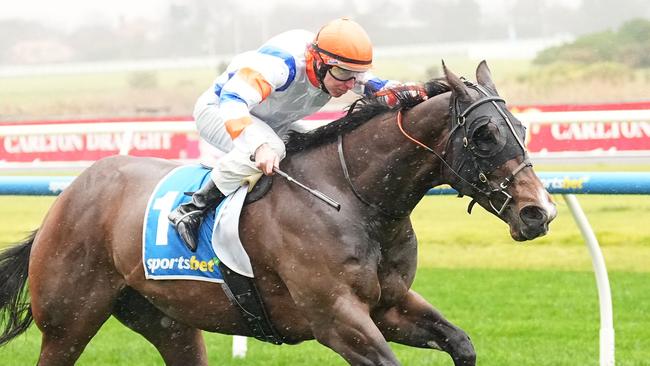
x=261, y=94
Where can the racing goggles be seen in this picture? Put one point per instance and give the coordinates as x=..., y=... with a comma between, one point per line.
x=342, y=74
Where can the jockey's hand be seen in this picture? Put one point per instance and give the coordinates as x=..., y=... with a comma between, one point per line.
x=266, y=158
x=391, y=95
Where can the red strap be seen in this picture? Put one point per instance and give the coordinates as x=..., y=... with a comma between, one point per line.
x=401, y=128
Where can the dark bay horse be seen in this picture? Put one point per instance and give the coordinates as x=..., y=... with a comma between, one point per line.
x=342, y=278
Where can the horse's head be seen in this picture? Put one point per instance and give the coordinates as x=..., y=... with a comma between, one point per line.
x=488, y=160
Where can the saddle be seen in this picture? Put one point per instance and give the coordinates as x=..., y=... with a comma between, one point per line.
x=262, y=187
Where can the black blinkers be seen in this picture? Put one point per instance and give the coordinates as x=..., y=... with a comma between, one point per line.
x=488, y=138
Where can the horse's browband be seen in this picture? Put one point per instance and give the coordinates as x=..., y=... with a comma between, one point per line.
x=478, y=103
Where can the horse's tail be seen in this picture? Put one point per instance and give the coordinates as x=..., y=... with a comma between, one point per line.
x=15, y=310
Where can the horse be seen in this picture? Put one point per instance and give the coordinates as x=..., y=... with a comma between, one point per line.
x=341, y=277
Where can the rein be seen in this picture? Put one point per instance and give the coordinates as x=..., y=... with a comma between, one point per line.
x=346, y=173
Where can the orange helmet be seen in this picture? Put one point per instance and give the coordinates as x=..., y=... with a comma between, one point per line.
x=343, y=43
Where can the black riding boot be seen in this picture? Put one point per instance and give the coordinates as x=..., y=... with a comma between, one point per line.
x=187, y=217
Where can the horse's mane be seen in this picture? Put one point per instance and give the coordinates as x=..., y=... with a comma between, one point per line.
x=359, y=112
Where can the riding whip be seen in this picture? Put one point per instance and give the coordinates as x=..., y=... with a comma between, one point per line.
x=318, y=194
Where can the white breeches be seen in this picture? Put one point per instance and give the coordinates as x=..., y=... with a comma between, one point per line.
x=235, y=165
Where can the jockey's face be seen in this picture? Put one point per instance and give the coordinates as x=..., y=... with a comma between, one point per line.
x=335, y=87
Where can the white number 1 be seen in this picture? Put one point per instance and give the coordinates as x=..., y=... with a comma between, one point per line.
x=164, y=205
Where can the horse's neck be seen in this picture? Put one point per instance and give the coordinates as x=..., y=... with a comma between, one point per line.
x=386, y=167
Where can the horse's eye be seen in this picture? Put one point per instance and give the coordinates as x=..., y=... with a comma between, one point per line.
x=485, y=137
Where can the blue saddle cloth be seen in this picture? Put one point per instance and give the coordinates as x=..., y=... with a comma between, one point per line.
x=165, y=256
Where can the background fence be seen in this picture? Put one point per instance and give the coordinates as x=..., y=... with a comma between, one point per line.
x=555, y=133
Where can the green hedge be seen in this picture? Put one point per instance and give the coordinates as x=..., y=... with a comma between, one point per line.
x=628, y=45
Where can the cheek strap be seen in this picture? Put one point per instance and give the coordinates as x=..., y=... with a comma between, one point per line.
x=320, y=72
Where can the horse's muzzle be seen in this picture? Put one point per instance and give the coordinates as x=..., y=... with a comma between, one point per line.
x=534, y=221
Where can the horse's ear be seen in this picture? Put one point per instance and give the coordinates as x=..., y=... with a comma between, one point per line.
x=457, y=85
x=484, y=77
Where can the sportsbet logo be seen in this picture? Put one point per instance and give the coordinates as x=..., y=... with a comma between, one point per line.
x=182, y=263
x=566, y=183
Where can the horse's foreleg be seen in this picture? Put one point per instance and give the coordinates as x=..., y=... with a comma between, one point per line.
x=416, y=323
x=348, y=329
x=341, y=321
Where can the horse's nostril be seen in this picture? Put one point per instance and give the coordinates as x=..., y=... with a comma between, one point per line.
x=533, y=215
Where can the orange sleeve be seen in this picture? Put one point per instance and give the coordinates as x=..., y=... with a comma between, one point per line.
x=236, y=126
x=255, y=80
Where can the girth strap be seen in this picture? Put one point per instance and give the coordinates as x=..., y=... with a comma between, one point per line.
x=243, y=293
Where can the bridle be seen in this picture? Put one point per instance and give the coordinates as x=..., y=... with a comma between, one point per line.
x=461, y=123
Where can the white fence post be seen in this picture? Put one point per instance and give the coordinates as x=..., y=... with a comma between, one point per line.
x=239, y=346
x=602, y=282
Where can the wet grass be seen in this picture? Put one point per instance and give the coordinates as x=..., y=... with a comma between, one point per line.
x=481, y=240
x=522, y=304
x=514, y=317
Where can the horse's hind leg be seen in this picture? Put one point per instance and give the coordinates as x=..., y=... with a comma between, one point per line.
x=69, y=311
x=177, y=343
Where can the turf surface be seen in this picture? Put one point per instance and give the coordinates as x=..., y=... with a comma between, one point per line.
x=522, y=304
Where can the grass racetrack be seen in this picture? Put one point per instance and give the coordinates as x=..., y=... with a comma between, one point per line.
x=534, y=303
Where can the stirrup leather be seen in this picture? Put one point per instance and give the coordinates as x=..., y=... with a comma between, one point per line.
x=176, y=217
